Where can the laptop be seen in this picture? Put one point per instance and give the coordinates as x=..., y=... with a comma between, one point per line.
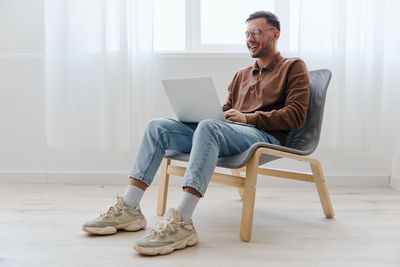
x=194, y=99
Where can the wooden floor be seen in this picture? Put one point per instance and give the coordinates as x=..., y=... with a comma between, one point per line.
x=40, y=225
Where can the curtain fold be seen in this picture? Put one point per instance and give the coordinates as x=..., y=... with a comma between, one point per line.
x=98, y=59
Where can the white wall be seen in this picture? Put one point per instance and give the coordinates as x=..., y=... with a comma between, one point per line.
x=25, y=157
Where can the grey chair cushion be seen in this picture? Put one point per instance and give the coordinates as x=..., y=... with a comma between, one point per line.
x=302, y=141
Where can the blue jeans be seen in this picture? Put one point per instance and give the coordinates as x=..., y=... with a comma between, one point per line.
x=205, y=141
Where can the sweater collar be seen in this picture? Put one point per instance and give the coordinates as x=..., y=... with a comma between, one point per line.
x=275, y=59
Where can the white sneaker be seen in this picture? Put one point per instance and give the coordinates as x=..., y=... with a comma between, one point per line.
x=117, y=217
x=169, y=234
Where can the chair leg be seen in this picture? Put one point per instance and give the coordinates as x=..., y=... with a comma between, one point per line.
x=322, y=189
x=163, y=188
x=249, y=198
x=240, y=190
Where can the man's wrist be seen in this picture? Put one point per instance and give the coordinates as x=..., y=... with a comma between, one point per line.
x=251, y=118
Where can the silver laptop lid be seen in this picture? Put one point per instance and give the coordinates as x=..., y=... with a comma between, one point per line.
x=193, y=99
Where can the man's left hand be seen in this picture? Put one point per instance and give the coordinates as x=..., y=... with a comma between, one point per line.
x=235, y=115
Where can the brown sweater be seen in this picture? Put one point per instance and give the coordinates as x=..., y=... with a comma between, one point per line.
x=274, y=99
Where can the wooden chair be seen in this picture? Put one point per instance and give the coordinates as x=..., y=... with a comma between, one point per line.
x=300, y=143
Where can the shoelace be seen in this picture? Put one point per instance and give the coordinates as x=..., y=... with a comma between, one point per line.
x=111, y=209
x=163, y=225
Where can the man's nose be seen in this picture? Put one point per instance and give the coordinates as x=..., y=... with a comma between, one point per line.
x=251, y=38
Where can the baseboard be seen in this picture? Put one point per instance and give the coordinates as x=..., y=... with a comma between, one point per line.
x=62, y=178
x=122, y=178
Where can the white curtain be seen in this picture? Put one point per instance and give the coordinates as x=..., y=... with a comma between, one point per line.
x=98, y=59
x=359, y=41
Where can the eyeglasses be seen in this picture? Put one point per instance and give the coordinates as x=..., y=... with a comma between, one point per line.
x=256, y=32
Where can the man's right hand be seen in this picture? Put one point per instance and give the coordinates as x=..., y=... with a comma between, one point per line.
x=234, y=115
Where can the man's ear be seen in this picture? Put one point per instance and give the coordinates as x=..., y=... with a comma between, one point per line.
x=277, y=34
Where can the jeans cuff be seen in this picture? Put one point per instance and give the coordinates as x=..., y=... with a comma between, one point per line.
x=195, y=186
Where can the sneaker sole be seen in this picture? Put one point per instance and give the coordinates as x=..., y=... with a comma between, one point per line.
x=187, y=242
x=109, y=230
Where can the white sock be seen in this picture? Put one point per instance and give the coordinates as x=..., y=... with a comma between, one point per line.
x=132, y=196
x=187, y=205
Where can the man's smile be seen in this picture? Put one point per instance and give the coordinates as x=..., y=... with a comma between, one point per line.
x=253, y=47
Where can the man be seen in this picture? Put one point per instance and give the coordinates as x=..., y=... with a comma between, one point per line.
x=272, y=95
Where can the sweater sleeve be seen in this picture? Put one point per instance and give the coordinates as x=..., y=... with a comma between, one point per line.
x=293, y=114
x=228, y=103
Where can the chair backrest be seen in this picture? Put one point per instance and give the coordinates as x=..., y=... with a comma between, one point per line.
x=306, y=138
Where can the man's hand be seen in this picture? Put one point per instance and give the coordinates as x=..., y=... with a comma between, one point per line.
x=235, y=115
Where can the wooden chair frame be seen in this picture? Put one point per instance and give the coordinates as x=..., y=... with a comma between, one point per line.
x=247, y=185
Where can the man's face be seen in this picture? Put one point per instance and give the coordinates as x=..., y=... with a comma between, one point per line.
x=263, y=44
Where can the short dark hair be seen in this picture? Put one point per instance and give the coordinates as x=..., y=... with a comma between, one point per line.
x=269, y=16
